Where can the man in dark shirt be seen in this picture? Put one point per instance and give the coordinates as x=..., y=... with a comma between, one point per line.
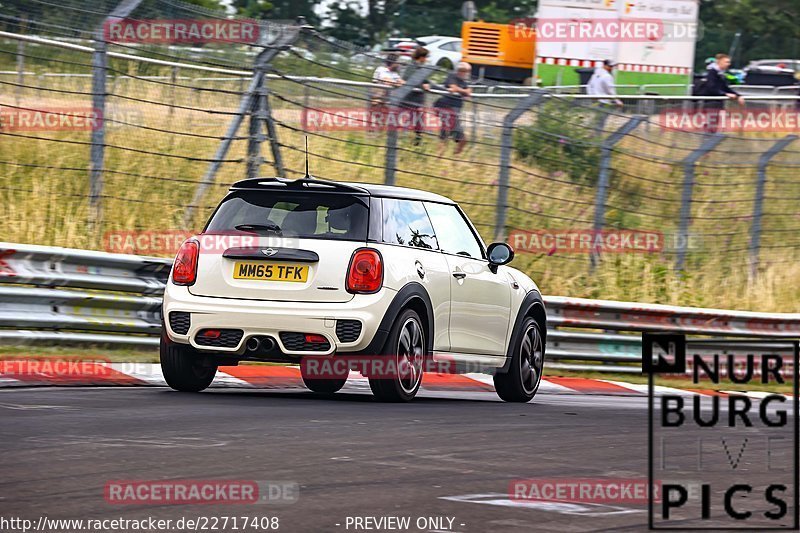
x=449, y=106
x=415, y=101
x=716, y=84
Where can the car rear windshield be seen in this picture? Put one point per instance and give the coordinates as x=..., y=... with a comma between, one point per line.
x=302, y=214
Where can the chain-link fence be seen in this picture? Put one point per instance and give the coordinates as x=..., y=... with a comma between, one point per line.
x=644, y=198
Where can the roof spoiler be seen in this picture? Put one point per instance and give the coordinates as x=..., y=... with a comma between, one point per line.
x=298, y=184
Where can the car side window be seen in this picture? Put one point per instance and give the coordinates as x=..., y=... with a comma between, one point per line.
x=406, y=222
x=452, y=231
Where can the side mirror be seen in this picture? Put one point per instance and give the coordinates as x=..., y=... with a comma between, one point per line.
x=499, y=253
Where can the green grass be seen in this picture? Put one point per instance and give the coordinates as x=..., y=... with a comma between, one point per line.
x=151, y=177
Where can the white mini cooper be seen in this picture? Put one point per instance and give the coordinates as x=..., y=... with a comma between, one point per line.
x=332, y=270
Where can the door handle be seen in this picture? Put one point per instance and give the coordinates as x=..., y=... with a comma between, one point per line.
x=459, y=275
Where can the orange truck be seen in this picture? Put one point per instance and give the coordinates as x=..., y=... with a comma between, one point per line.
x=501, y=52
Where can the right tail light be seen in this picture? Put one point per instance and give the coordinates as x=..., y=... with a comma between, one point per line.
x=365, y=274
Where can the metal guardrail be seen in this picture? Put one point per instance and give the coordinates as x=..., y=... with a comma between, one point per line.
x=62, y=295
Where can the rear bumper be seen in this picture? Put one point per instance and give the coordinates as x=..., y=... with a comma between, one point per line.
x=269, y=318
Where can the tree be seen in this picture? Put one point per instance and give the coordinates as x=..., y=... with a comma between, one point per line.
x=257, y=9
x=768, y=29
x=348, y=24
x=277, y=9
x=214, y=5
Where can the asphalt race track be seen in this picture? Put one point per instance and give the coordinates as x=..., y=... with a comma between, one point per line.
x=447, y=454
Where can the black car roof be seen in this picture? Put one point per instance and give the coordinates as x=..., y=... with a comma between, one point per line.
x=382, y=191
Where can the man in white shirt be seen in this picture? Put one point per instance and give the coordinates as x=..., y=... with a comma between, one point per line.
x=386, y=74
x=602, y=83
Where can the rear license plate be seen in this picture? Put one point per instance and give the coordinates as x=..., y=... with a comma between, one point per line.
x=259, y=270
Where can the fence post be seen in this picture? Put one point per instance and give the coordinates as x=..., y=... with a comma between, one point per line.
x=97, y=150
x=281, y=43
x=506, y=138
x=272, y=134
x=686, y=197
x=758, y=212
x=474, y=127
x=256, y=132
x=261, y=115
x=396, y=96
x=20, y=65
x=98, y=138
x=173, y=81
x=606, y=149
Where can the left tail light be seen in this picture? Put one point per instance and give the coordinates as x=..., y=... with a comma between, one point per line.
x=184, y=271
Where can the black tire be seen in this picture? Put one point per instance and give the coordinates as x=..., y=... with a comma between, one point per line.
x=445, y=64
x=183, y=368
x=406, y=344
x=322, y=386
x=524, y=375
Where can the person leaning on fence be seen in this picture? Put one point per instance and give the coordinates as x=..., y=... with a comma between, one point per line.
x=387, y=75
x=448, y=107
x=414, y=103
x=715, y=83
x=602, y=83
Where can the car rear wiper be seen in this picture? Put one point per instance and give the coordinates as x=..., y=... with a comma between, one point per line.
x=269, y=227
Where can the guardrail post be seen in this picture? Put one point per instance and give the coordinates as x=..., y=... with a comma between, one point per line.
x=283, y=42
x=755, y=230
x=606, y=149
x=98, y=138
x=396, y=97
x=506, y=144
x=689, y=165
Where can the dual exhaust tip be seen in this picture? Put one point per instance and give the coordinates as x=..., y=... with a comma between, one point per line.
x=260, y=344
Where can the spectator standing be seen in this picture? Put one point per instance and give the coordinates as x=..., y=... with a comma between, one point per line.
x=387, y=75
x=449, y=106
x=715, y=83
x=415, y=101
x=602, y=83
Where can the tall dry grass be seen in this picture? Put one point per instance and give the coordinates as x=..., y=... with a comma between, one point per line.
x=151, y=179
